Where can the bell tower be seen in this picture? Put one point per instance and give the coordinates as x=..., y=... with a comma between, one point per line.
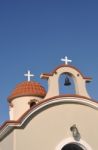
x=53, y=79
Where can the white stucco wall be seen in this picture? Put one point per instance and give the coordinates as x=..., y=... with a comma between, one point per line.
x=8, y=142
x=20, y=106
x=51, y=126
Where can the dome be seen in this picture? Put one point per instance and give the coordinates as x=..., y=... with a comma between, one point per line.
x=26, y=88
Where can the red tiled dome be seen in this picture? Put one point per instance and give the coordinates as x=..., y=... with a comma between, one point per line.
x=26, y=88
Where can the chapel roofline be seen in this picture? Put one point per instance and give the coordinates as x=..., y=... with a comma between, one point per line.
x=7, y=125
x=46, y=75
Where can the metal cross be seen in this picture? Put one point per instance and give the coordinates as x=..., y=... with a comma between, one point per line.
x=28, y=75
x=66, y=60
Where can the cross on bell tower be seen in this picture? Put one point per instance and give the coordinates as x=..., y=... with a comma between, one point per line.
x=28, y=75
x=66, y=60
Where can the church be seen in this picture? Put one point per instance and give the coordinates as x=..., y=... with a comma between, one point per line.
x=49, y=120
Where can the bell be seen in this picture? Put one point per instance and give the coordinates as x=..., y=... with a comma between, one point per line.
x=67, y=81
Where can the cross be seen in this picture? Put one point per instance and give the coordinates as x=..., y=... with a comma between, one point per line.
x=66, y=60
x=28, y=75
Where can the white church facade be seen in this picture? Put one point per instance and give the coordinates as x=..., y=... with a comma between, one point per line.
x=50, y=120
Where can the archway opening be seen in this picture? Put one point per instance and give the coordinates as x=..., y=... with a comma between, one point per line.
x=32, y=104
x=72, y=147
x=66, y=84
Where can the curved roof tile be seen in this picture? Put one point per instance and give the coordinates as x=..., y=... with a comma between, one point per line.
x=26, y=88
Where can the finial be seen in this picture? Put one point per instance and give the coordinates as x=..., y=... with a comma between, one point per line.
x=66, y=60
x=28, y=75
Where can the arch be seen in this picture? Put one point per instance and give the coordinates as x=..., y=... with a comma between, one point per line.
x=63, y=80
x=79, y=81
x=72, y=146
x=32, y=102
x=80, y=144
x=76, y=77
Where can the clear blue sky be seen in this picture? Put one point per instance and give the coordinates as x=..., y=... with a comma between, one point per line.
x=36, y=34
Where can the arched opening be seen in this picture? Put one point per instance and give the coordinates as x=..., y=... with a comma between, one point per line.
x=32, y=102
x=66, y=84
x=72, y=147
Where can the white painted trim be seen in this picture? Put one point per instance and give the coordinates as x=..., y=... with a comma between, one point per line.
x=11, y=112
x=69, y=140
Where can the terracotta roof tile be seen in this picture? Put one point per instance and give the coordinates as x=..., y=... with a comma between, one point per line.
x=26, y=88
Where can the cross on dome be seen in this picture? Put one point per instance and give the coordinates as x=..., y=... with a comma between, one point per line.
x=28, y=75
x=66, y=60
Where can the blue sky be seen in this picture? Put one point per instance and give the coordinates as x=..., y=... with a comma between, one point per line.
x=36, y=34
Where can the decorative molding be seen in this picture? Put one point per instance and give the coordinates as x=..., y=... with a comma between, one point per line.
x=11, y=124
